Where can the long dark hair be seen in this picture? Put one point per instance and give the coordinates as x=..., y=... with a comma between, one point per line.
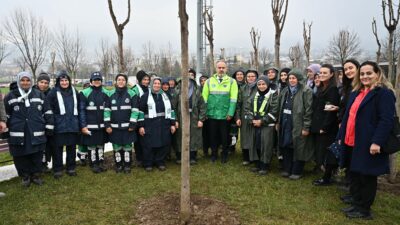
x=332, y=81
x=346, y=82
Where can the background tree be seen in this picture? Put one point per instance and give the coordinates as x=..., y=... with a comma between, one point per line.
x=209, y=32
x=3, y=48
x=185, y=167
x=307, y=40
x=344, y=45
x=266, y=58
x=279, y=12
x=295, y=55
x=70, y=50
x=391, y=19
x=375, y=32
x=104, y=58
x=31, y=37
x=119, y=28
x=255, y=36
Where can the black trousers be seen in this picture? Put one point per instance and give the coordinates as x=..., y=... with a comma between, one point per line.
x=246, y=155
x=346, y=162
x=138, y=149
x=363, y=190
x=330, y=165
x=154, y=156
x=28, y=165
x=58, y=158
x=322, y=142
x=290, y=166
x=218, y=131
x=48, y=152
x=206, y=137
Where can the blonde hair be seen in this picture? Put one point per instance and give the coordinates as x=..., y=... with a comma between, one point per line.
x=381, y=82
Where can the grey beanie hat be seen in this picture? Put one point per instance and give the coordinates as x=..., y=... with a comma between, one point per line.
x=264, y=78
x=297, y=73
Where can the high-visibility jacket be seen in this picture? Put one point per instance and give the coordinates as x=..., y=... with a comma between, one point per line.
x=220, y=97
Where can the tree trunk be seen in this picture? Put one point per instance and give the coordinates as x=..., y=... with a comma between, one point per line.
x=277, y=47
x=212, y=63
x=121, y=63
x=185, y=123
x=390, y=59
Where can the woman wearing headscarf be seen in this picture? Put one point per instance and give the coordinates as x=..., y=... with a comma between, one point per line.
x=197, y=112
x=142, y=87
x=324, y=123
x=246, y=92
x=283, y=78
x=273, y=75
x=239, y=76
x=294, y=123
x=364, y=130
x=157, y=126
x=121, y=126
x=262, y=113
x=29, y=119
x=63, y=100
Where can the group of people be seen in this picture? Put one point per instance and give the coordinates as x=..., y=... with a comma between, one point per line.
x=279, y=113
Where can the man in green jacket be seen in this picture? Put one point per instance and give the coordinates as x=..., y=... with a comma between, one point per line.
x=220, y=93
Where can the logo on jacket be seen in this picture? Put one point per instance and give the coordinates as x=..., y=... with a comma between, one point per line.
x=225, y=85
x=91, y=103
x=213, y=85
x=39, y=107
x=113, y=101
x=127, y=100
x=16, y=108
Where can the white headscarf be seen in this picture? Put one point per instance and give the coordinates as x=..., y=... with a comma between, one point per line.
x=24, y=93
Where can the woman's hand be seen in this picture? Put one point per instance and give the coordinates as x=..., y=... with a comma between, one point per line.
x=173, y=129
x=199, y=124
x=374, y=149
x=257, y=123
x=85, y=131
x=176, y=125
x=305, y=132
x=142, y=132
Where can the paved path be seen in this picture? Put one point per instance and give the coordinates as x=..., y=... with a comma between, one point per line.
x=8, y=172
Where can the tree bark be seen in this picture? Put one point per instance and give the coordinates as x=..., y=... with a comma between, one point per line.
x=279, y=12
x=119, y=28
x=185, y=123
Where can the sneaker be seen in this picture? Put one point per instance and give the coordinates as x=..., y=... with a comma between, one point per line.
x=26, y=181
x=96, y=169
x=322, y=182
x=285, y=174
x=127, y=170
x=118, y=169
x=254, y=169
x=262, y=172
x=2, y=194
x=348, y=209
x=245, y=163
x=347, y=199
x=294, y=177
x=148, y=169
x=37, y=180
x=357, y=214
x=72, y=173
x=162, y=168
x=57, y=175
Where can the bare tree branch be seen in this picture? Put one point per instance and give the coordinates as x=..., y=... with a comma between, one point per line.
x=307, y=40
x=279, y=12
x=344, y=45
x=3, y=48
x=295, y=55
x=119, y=28
x=375, y=32
x=209, y=32
x=255, y=36
x=31, y=37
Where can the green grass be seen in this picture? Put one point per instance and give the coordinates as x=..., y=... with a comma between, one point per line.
x=5, y=156
x=110, y=198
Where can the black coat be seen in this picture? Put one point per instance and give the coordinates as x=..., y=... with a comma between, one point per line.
x=321, y=119
x=67, y=123
x=27, y=123
x=374, y=121
x=157, y=130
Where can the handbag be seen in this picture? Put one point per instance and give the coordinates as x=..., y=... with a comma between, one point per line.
x=336, y=149
x=393, y=143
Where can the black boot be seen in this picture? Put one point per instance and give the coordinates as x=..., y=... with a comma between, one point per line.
x=224, y=156
x=100, y=152
x=26, y=181
x=127, y=161
x=193, y=157
x=35, y=178
x=118, y=161
x=214, y=155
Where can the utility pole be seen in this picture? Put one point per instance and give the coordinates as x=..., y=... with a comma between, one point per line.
x=200, y=46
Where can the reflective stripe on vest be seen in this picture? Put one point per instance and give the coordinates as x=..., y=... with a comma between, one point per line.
x=116, y=125
x=16, y=134
x=263, y=104
x=38, y=133
x=158, y=114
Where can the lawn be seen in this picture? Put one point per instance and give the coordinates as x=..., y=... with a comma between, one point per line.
x=110, y=198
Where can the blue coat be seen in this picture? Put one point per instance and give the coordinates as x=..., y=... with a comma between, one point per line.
x=374, y=122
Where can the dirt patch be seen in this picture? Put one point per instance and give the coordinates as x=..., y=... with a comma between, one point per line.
x=164, y=210
x=386, y=186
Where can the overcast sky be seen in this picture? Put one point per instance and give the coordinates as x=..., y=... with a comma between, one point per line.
x=157, y=21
